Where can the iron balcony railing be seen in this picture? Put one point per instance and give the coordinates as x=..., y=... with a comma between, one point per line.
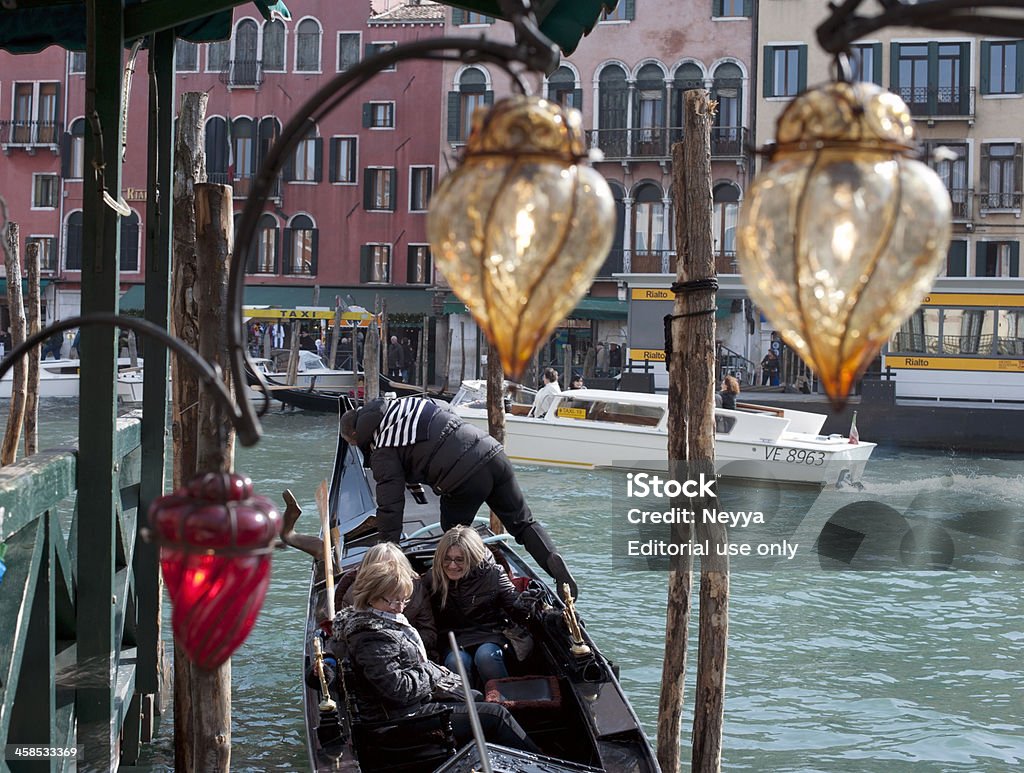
x=938, y=101
x=657, y=262
x=242, y=73
x=644, y=143
x=991, y=201
x=241, y=185
x=30, y=134
x=962, y=200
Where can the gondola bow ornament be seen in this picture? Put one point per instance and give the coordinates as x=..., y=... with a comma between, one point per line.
x=216, y=537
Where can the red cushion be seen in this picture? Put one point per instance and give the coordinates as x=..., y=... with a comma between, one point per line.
x=524, y=692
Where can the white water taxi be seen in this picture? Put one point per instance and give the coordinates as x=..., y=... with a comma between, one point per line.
x=58, y=378
x=588, y=428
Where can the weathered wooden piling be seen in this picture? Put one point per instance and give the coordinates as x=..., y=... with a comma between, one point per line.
x=32, y=318
x=16, y=307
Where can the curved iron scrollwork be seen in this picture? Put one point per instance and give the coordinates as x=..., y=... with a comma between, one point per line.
x=532, y=52
x=845, y=25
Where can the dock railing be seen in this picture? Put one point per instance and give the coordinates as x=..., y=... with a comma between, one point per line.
x=44, y=618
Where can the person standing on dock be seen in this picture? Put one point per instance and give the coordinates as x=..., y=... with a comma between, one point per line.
x=414, y=440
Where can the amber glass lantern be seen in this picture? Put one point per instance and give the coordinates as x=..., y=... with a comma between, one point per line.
x=521, y=227
x=843, y=232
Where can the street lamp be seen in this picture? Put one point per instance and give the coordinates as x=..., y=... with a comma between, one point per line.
x=521, y=227
x=843, y=232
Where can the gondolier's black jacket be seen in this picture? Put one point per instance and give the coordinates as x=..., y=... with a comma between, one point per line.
x=450, y=453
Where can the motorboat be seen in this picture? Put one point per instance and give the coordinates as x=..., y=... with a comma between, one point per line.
x=565, y=694
x=59, y=378
x=597, y=428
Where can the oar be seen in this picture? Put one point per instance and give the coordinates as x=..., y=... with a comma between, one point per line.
x=325, y=528
x=474, y=718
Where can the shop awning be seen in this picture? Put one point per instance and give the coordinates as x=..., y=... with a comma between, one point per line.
x=24, y=286
x=587, y=308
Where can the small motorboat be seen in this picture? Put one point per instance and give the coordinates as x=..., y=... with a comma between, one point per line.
x=59, y=378
x=566, y=695
x=598, y=428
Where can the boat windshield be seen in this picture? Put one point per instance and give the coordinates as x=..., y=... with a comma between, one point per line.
x=609, y=411
x=473, y=394
x=310, y=361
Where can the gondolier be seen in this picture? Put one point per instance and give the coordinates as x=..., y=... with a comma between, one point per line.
x=414, y=440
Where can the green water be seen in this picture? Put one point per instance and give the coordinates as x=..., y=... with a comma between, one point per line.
x=827, y=671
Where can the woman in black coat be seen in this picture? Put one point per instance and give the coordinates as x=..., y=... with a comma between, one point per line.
x=473, y=596
x=392, y=675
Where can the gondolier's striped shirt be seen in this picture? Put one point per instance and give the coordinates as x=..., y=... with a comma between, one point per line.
x=404, y=423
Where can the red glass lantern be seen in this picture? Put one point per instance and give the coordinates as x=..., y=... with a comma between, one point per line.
x=216, y=538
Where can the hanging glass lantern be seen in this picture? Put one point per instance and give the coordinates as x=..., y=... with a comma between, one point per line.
x=521, y=227
x=842, y=234
x=215, y=538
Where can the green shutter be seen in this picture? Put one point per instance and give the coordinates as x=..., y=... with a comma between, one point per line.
x=1018, y=162
x=748, y=8
x=980, y=258
x=393, y=194
x=318, y=159
x=65, y=155
x=288, y=172
x=453, y=116
x=1015, y=259
x=367, y=115
x=577, y=98
x=986, y=67
x=488, y=97
x=365, y=258
x=894, y=68
x=277, y=250
x=876, y=63
x=956, y=259
x=983, y=178
x=801, y=82
x=315, y=250
x=458, y=16
x=332, y=159
x=965, y=80
x=769, y=72
x=368, y=188
x=716, y=7
x=410, y=264
x=1019, y=74
x=630, y=9
x=289, y=235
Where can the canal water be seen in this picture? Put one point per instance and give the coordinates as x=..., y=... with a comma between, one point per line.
x=858, y=657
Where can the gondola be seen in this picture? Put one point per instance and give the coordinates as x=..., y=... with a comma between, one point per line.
x=326, y=400
x=566, y=694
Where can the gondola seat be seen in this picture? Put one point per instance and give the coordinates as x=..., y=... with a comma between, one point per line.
x=525, y=693
x=406, y=745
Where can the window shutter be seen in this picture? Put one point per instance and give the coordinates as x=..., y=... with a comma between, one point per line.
x=288, y=173
x=252, y=256
x=277, y=250
x=630, y=9
x=488, y=97
x=1019, y=85
x=314, y=250
x=801, y=82
x=318, y=159
x=393, y=174
x=983, y=179
x=894, y=68
x=1018, y=161
x=410, y=264
x=367, y=115
x=289, y=236
x=965, y=79
x=986, y=67
x=980, y=258
x=458, y=17
x=365, y=258
x=453, y=116
x=577, y=98
x=876, y=63
x=716, y=7
x=748, y=8
x=1015, y=259
x=368, y=179
x=332, y=158
x=769, y=72
x=65, y=155
x=956, y=260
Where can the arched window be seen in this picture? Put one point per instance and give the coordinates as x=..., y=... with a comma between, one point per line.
x=471, y=92
x=307, y=161
x=307, y=46
x=727, y=89
x=245, y=66
x=562, y=88
x=688, y=76
x=273, y=46
x=130, y=243
x=300, y=246
x=613, y=263
x=242, y=154
x=649, y=223
x=217, y=151
x=649, y=112
x=613, y=102
x=262, y=255
x=73, y=151
x=726, y=197
x=73, y=242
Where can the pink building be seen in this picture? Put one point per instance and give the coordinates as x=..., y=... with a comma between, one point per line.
x=348, y=212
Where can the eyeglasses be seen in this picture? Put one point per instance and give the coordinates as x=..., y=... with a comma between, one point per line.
x=456, y=560
x=396, y=602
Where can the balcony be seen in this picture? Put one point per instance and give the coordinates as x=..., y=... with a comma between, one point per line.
x=727, y=142
x=30, y=135
x=242, y=74
x=962, y=200
x=938, y=102
x=241, y=185
x=995, y=202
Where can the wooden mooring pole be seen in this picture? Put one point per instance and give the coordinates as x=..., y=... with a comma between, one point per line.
x=495, y=412
x=34, y=324
x=16, y=306
x=692, y=453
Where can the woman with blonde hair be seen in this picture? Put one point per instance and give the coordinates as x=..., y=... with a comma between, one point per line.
x=473, y=596
x=392, y=676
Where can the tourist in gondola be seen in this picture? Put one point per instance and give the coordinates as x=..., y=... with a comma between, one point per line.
x=415, y=440
x=392, y=675
x=472, y=596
